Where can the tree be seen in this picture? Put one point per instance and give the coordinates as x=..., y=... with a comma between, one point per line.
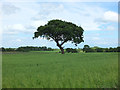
x=86, y=48
x=3, y=49
x=110, y=49
x=118, y=48
x=99, y=49
x=106, y=50
x=21, y=49
x=61, y=32
x=9, y=49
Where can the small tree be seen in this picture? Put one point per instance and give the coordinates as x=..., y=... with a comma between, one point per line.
x=86, y=48
x=68, y=50
x=61, y=32
x=118, y=49
x=106, y=50
x=111, y=49
x=3, y=49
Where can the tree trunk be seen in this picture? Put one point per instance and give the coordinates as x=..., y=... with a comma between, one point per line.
x=62, y=50
x=60, y=46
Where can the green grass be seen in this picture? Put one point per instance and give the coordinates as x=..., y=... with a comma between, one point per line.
x=54, y=70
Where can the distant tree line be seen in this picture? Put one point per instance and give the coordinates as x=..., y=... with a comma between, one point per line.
x=71, y=50
x=87, y=48
x=26, y=49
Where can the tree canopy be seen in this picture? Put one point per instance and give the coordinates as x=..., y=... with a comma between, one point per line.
x=61, y=32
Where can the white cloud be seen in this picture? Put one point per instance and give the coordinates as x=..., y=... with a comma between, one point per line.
x=38, y=23
x=109, y=42
x=91, y=0
x=110, y=16
x=8, y=8
x=18, y=40
x=18, y=0
x=83, y=15
x=46, y=9
x=61, y=0
x=110, y=28
x=85, y=18
x=91, y=26
x=95, y=38
x=19, y=27
x=101, y=41
x=16, y=29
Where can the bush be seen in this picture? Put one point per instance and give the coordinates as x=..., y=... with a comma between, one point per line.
x=70, y=50
x=21, y=49
x=99, y=50
x=9, y=49
x=87, y=48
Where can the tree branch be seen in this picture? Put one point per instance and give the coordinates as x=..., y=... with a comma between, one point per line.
x=63, y=42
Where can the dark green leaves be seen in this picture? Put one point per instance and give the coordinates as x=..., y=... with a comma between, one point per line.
x=60, y=30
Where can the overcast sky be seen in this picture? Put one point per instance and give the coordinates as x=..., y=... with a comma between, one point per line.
x=21, y=19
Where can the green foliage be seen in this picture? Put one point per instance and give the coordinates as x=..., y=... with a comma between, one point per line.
x=21, y=49
x=87, y=48
x=61, y=32
x=52, y=70
x=8, y=49
x=68, y=50
x=99, y=49
x=27, y=49
x=2, y=49
x=113, y=49
x=118, y=49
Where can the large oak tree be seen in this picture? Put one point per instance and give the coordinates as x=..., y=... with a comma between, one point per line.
x=61, y=32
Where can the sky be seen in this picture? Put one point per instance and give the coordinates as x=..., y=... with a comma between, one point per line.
x=20, y=19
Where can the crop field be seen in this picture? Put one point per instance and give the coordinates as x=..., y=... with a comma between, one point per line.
x=54, y=70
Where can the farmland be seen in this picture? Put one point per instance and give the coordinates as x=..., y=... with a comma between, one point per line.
x=54, y=70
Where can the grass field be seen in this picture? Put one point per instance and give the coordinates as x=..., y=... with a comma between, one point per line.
x=53, y=70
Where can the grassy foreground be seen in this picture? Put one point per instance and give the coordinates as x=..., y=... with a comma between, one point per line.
x=53, y=70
